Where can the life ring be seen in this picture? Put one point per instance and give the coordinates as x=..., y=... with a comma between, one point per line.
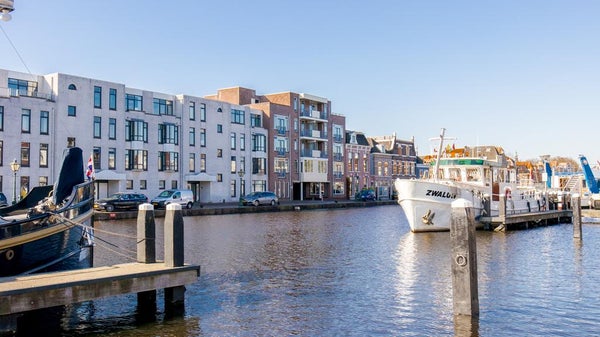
x=9, y=255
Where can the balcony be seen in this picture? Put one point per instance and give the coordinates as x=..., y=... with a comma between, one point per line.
x=281, y=151
x=314, y=154
x=281, y=174
x=338, y=175
x=338, y=138
x=34, y=93
x=313, y=114
x=281, y=131
x=338, y=157
x=314, y=134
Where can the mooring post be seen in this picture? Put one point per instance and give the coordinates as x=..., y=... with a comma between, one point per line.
x=576, y=203
x=464, y=259
x=174, y=296
x=146, y=253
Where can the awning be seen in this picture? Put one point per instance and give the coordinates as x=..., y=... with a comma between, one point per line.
x=200, y=177
x=109, y=175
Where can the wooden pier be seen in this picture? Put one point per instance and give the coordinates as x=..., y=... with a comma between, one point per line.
x=507, y=220
x=20, y=294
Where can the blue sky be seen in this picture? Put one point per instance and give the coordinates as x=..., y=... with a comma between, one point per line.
x=523, y=75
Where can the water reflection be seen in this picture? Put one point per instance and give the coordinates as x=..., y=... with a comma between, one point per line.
x=356, y=272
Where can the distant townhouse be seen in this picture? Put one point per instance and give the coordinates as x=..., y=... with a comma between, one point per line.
x=391, y=158
x=358, y=168
x=306, y=144
x=140, y=140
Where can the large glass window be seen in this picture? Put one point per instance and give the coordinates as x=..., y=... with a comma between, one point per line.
x=97, y=97
x=168, y=134
x=136, y=160
x=44, y=122
x=163, y=107
x=136, y=130
x=243, y=141
x=233, y=164
x=97, y=127
x=168, y=161
x=192, y=136
x=259, y=165
x=259, y=143
x=112, y=99
x=22, y=87
x=203, y=137
x=133, y=102
x=97, y=158
x=238, y=116
x=233, y=140
x=255, y=120
x=202, y=112
x=25, y=120
x=25, y=154
x=192, y=162
x=203, y=162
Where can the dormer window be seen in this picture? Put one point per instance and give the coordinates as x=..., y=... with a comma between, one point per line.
x=72, y=87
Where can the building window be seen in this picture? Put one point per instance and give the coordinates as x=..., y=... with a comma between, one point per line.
x=242, y=141
x=43, y=155
x=192, y=111
x=136, y=130
x=219, y=128
x=97, y=158
x=133, y=102
x=25, y=155
x=192, y=162
x=219, y=110
x=168, y=161
x=161, y=184
x=71, y=142
x=1, y=118
x=24, y=186
x=192, y=136
x=173, y=184
x=143, y=184
x=112, y=99
x=112, y=128
x=203, y=137
x=238, y=116
x=25, y=120
x=259, y=143
x=219, y=153
x=44, y=122
x=259, y=165
x=112, y=158
x=232, y=188
x=295, y=103
x=163, y=107
x=203, y=162
x=43, y=181
x=22, y=87
x=202, y=112
x=255, y=120
x=219, y=177
x=72, y=87
x=97, y=97
x=97, y=127
x=136, y=160
x=233, y=164
x=72, y=111
x=233, y=140
x=129, y=184
x=168, y=134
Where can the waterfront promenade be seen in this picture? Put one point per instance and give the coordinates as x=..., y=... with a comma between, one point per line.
x=236, y=208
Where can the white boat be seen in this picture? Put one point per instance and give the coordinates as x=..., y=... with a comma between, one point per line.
x=478, y=174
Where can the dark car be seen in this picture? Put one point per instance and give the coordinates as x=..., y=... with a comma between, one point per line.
x=3, y=201
x=366, y=195
x=120, y=201
x=260, y=198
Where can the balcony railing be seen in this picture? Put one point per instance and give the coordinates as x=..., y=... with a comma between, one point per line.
x=281, y=131
x=337, y=138
x=313, y=114
x=280, y=151
x=313, y=154
x=314, y=134
x=338, y=175
x=337, y=157
x=281, y=174
x=6, y=92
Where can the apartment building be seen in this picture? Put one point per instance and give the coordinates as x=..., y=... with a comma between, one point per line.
x=306, y=142
x=358, y=168
x=390, y=158
x=141, y=140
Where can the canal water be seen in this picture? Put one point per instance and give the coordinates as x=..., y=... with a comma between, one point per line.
x=355, y=272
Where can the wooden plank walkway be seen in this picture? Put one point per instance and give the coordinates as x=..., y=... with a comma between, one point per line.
x=526, y=218
x=24, y=293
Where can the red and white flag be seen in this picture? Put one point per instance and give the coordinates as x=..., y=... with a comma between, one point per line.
x=89, y=172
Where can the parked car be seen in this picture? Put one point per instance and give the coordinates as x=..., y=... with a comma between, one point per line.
x=120, y=200
x=366, y=195
x=260, y=198
x=183, y=197
x=3, y=201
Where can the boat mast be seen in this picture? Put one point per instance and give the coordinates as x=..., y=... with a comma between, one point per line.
x=439, y=155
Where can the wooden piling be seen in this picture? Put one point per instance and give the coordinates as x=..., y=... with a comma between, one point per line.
x=464, y=259
x=576, y=204
x=146, y=253
x=174, y=296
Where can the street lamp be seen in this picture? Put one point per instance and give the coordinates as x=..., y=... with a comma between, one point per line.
x=6, y=6
x=241, y=174
x=14, y=166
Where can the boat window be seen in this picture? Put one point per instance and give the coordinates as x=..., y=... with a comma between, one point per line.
x=440, y=174
x=454, y=174
x=473, y=175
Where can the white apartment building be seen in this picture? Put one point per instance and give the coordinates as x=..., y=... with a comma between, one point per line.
x=141, y=141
